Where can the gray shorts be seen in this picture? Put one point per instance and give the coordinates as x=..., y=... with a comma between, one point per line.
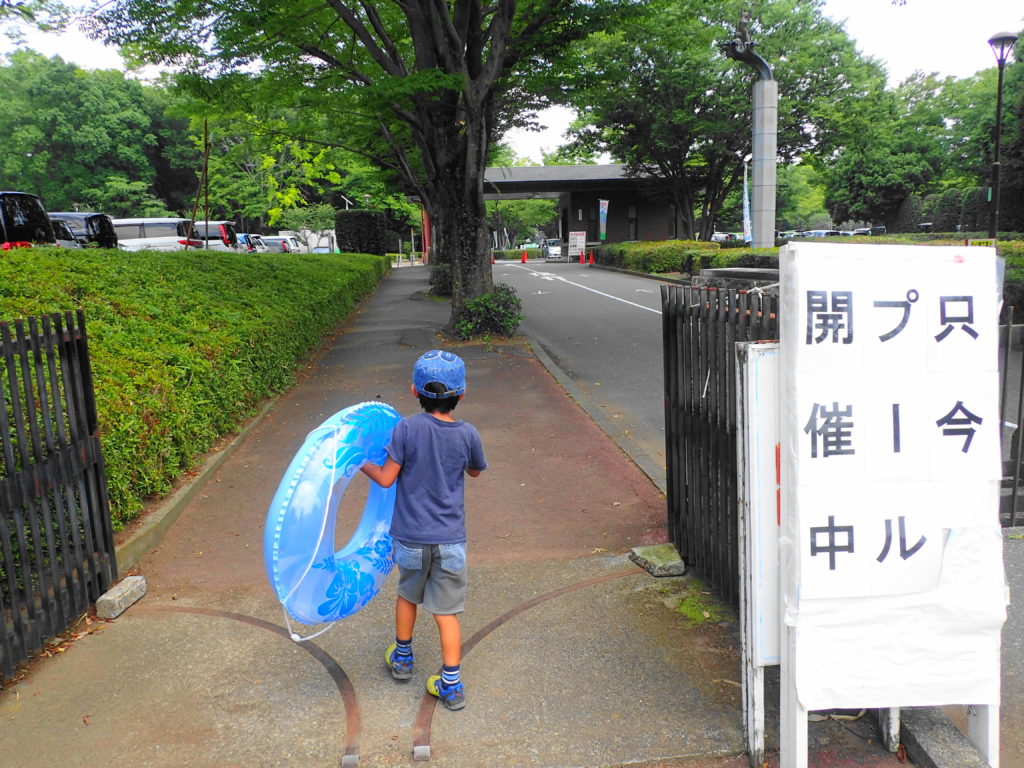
x=432, y=575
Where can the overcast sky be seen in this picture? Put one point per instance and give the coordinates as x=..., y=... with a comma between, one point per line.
x=945, y=36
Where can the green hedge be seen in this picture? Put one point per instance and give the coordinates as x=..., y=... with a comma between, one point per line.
x=689, y=257
x=184, y=344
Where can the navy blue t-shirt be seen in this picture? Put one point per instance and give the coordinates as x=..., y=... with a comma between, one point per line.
x=434, y=454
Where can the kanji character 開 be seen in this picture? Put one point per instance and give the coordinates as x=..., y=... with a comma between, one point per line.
x=829, y=320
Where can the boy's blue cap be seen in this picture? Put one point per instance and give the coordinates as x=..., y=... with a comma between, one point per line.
x=443, y=367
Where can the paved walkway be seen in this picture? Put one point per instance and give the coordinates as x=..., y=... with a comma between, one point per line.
x=573, y=656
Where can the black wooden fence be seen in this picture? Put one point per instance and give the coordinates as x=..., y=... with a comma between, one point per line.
x=700, y=328
x=56, y=542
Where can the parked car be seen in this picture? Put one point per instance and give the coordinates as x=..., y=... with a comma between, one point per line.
x=218, y=235
x=24, y=221
x=65, y=237
x=282, y=243
x=553, y=250
x=156, y=234
x=90, y=227
x=252, y=243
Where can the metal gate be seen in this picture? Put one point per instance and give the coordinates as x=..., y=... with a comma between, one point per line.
x=700, y=329
x=56, y=541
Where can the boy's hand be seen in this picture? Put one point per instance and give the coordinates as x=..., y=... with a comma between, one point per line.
x=383, y=476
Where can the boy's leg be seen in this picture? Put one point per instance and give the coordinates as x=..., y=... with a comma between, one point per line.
x=399, y=656
x=450, y=632
x=405, y=618
x=448, y=685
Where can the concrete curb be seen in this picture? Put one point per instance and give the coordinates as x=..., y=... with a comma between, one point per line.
x=932, y=741
x=157, y=522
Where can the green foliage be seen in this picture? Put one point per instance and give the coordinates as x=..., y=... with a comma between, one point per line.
x=309, y=219
x=120, y=198
x=659, y=95
x=521, y=218
x=68, y=133
x=909, y=215
x=184, y=344
x=946, y=215
x=686, y=256
x=498, y=312
x=360, y=231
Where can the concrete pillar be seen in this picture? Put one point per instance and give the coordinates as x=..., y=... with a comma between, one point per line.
x=766, y=120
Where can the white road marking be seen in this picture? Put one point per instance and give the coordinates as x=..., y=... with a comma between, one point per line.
x=550, y=276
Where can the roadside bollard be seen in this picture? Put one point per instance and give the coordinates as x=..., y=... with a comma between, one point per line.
x=524, y=257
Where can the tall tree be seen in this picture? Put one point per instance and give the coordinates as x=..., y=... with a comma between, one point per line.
x=421, y=87
x=659, y=95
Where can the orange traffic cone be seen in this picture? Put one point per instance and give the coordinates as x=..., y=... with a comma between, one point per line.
x=591, y=257
x=492, y=257
x=524, y=257
x=581, y=257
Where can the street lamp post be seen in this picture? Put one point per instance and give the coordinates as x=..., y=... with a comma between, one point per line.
x=1001, y=44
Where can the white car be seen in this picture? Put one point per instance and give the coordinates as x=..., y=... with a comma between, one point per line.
x=156, y=234
x=282, y=244
x=218, y=235
x=65, y=237
x=252, y=243
x=553, y=250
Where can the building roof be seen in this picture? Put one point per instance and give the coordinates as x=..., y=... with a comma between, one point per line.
x=504, y=182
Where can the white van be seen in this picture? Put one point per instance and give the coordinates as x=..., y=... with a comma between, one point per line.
x=282, y=243
x=155, y=234
x=218, y=235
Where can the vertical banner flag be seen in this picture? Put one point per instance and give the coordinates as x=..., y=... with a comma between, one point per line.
x=894, y=592
x=747, y=229
x=603, y=212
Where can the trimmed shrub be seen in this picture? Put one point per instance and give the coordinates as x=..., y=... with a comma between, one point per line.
x=184, y=344
x=946, y=217
x=361, y=231
x=910, y=214
x=498, y=312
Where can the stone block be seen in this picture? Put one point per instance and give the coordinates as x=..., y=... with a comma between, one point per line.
x=659, y=560
x=120, y=597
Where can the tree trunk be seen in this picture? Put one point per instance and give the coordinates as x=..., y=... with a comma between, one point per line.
x=458, y=209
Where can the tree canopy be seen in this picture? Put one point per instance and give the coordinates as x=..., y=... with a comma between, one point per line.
x=422, y=89
x=659, y=95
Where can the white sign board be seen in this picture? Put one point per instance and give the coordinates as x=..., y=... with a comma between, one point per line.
x=577, y=243
x=893, y=587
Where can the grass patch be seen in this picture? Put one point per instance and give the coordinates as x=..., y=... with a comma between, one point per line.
x=699, y=606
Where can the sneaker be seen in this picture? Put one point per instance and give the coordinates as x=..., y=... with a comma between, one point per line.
x=453, y=697
x=401, y=666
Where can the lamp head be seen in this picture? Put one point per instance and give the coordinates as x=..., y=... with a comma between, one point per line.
x=1002, y=43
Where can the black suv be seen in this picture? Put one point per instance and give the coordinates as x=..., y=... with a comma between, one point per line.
x=23, y=219
x=90, y=227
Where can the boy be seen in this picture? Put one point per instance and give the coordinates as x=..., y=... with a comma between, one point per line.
x=430, y=452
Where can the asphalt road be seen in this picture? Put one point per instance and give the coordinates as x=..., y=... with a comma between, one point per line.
x=602, y=330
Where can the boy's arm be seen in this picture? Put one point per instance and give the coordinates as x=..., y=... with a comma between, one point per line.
x=383, y=476
x=474, y=472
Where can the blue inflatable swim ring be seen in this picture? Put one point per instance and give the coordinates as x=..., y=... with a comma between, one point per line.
x=314, y=583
